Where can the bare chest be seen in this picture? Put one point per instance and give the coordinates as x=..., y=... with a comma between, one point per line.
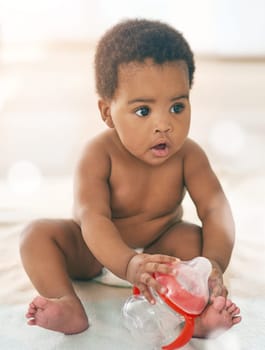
x=138, y=190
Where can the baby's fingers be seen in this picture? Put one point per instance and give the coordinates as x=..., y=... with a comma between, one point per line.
x=153, y=267
x=145, y=291
x=147, y=282
x=163, y=259
x=161, y=263
x=148, y=263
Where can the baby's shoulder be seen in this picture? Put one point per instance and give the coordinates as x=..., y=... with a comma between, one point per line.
x=96, y=150
x=95, y=155
x=101, y=143
x=191, y=147
x=194, y=155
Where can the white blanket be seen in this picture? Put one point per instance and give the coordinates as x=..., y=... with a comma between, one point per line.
x=107, y=331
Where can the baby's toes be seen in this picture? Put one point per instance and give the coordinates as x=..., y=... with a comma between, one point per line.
x=233, y=309
x=30, y=314
x=31, y=311
x=228, y=303
x=236, y=311
x=219, y=303
x=236, y=319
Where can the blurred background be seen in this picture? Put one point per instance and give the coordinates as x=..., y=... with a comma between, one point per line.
x=48, y=105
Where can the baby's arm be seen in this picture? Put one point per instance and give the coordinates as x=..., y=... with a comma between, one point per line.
x=213, y=210
x=92, y=211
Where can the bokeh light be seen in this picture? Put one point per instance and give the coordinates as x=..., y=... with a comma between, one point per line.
x=227, y=138
x=24, y=178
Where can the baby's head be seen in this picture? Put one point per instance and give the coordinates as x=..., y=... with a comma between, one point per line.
x=137, y=40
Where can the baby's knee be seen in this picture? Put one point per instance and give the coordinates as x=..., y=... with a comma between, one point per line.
x=31, y=234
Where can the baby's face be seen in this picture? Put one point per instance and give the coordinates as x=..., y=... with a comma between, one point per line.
x=151, y=110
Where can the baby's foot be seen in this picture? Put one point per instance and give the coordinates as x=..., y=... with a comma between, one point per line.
x=65, y=314
x=221, y=315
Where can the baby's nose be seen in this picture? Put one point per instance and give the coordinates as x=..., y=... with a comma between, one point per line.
x=162, y=124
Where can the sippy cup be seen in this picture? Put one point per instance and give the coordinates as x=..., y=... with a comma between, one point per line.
x=169, y=323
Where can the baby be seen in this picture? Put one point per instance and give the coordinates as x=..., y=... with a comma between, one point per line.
x=129, y=185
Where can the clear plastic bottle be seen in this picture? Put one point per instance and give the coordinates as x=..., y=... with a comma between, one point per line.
x=169, y=323
x=156, y=324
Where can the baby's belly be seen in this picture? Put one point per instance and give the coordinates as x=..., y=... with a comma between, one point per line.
x=139, y=232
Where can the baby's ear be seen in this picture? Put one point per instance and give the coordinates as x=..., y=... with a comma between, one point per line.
x=104, y=108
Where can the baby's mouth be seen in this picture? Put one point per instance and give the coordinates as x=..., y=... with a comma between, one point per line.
x=160, y=146
x=160, y=150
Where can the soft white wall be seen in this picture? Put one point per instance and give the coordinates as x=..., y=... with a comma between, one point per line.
x=225, y=27
x=239, y=28
x=28, y=20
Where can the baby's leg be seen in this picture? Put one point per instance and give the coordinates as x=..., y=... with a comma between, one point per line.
x=53, y=252
x=184, y=240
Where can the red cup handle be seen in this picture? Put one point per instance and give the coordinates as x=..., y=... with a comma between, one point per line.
x=188, y=329
x=184, y=336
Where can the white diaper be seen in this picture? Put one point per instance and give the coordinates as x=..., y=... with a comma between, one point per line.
x=107, y=277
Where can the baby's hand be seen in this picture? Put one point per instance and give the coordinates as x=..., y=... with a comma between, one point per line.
x=140, y=271
x=215, y=282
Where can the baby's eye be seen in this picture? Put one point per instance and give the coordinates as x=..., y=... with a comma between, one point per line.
x=142, y=111
x=177, y=108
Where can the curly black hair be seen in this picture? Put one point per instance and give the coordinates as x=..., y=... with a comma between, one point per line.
x=136, y=40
